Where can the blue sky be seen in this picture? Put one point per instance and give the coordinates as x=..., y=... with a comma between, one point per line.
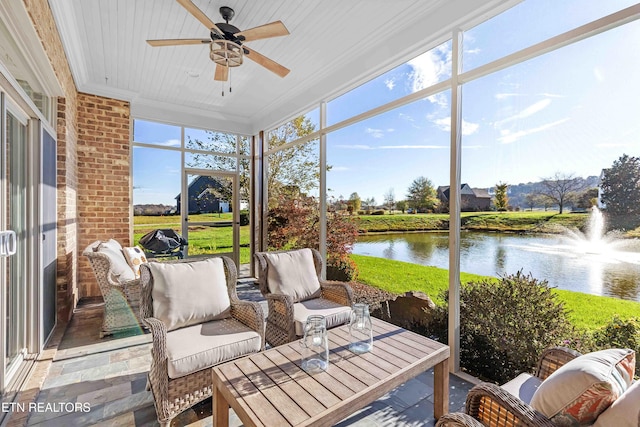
x=574, y=110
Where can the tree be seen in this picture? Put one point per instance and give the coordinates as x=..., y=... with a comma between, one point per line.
x=296, y=167
x=560, y=187
x=585, y=199
x=390, y=199
x=621, y=187
x=501, y=200
x=402, y=205
x=354, y=204
x=370, y=203
x=422, y=195
x=532, y=200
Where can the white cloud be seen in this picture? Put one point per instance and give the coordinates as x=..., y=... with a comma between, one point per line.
x=505, y=95
x=597, y=72
x=509, y=137
x=613, y=145
x=339, y=168
x=473, y=51
x=527, y=112
x=170, y=143
x=467, y=127
x=376, y=133
x=406, y=117
x=390, y=83
x=428, y=68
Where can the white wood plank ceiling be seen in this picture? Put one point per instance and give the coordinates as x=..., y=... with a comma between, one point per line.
x=333, y=45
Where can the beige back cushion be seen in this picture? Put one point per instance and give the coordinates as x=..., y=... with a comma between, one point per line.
x=293, y=273
x=119, y=266
x=581, y=390
x=188, y=293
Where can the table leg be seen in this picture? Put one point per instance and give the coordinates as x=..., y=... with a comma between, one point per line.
x=220, y=409
x=441, y=389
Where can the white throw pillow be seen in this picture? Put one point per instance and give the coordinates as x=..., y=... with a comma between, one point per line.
x=119, y=266
x=188, y=293
x=293, y=273
x=135, y=257
x=625, y=412
x=578, y=392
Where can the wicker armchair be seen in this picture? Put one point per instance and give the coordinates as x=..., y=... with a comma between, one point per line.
x=491, y=405
x=286, y=310
x=121, y=293
x=174, y=395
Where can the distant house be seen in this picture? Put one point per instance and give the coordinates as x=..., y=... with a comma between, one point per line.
x=471, y=199
x=206, y=195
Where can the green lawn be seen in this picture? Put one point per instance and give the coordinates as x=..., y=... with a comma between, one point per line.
x=202, y=240
x=536, y=221
x=585, y=311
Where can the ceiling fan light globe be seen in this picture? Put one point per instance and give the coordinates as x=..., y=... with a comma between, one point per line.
x=226, y=53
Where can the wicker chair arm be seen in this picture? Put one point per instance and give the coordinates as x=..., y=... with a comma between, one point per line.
x=280, y=309
x=458, y=419
x=338, y=292
x=493, y=405
x=251, y=314
x=552, y=359
x=159, y=334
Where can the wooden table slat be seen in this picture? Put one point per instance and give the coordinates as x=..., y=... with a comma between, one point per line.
x=306, y=401
x=306, y=381
x=274, y=394
x=270, y=388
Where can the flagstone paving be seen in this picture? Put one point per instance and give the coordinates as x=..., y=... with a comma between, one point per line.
x=102, y=382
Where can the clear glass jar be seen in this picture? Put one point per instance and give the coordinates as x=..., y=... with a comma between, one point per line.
x=315, y=345
x=360, y=329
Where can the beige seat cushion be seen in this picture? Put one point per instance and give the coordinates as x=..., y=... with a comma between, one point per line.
x=201, y=346
x=523, y=386
x=293, y=273
x=119, y=266
x=578, y=392
x=335, y=314
x=625, y=412
x=188, y=293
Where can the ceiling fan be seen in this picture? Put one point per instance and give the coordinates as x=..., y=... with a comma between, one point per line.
x=226, y=41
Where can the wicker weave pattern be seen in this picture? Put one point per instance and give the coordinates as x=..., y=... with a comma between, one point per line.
x=280, y=328
x=495, y=407
x=172, y=396
x=458, y=419
x=121, y=300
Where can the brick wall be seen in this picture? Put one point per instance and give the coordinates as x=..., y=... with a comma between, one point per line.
x=104, y=158
x=67, y=137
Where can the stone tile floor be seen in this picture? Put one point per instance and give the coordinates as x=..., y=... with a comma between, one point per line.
x=101, y=382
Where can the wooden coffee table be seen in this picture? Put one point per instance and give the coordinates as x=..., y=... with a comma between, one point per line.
x=270, y=389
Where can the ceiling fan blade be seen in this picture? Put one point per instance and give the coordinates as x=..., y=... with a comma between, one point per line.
x=176, y=42
x=267, y=63
x=200, y=16
x=273, y=29
x=222, y=73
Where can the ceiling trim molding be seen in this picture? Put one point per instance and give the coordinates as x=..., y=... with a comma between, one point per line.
x=188, y=116
x=18, y=22
x=65, y=16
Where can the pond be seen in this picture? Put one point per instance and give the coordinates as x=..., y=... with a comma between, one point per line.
x=610, y=267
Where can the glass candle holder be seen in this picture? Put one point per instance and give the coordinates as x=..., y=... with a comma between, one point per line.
x=315, y=345
x=360, y=329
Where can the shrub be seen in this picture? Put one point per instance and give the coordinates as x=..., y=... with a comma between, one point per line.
x=294, y=222
x=505, y=325
x=619, y=333
x=378, y=212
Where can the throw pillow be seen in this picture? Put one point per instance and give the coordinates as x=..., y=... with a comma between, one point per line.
x=135, y=257
x=119, y=266
x=578, y=392
x=293, y=273
x=188, y=293
x=625, y=412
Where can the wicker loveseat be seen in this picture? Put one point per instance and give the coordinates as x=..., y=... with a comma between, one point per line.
x=118, y=284
x=197, y=322
x=290, y=281
x=513, y=403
